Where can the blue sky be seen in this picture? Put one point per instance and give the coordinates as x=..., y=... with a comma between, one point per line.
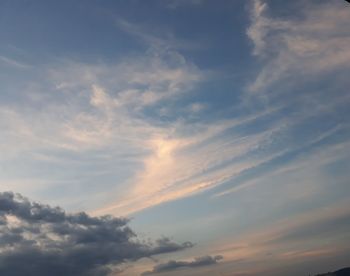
x=223, y=123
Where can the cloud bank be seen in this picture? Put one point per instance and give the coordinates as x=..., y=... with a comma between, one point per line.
x=174, y=265
x=37, y=239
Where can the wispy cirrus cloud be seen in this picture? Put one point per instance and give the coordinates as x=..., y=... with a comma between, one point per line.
x=174, y=4
x=14, y=63
x=104, y=110
x=124, y=132
x=95, y=108
x=116, y=112
x=315, y=42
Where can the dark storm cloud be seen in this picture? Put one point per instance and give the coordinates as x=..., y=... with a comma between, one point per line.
x=37, y=239
x=173, y=265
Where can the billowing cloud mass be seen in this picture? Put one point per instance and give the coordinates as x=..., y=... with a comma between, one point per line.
x=37, y=239
x=173, y=265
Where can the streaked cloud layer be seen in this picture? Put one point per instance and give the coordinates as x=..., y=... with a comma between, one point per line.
x=218, y=128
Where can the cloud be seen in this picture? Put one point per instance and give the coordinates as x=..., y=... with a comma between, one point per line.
x=99, y=110
x=174, y=265
x=14, y=63
x=37, y=239
x=174, y=4
x=297, y=237
x=311, y=159
x=184, y=166
x=314, y=41
x=109, y=118
x=157, y=39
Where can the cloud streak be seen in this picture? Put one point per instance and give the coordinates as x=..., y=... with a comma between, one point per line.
x=175, y=265
x=290, y=241
x=103, y=110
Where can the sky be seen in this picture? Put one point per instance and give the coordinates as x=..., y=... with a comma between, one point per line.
x=177, y=137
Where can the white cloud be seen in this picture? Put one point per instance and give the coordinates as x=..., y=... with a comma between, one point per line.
x=94, y=108
x=14, y=63
x=99, y=109
x=184, y=166
x=304, y=165
x=314, y=42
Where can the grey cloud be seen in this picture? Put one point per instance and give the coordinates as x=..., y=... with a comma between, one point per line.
x=37, y=239
x=173, y=265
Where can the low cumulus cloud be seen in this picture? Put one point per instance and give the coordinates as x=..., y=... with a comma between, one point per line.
x=173, y=265
x=37, y=239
